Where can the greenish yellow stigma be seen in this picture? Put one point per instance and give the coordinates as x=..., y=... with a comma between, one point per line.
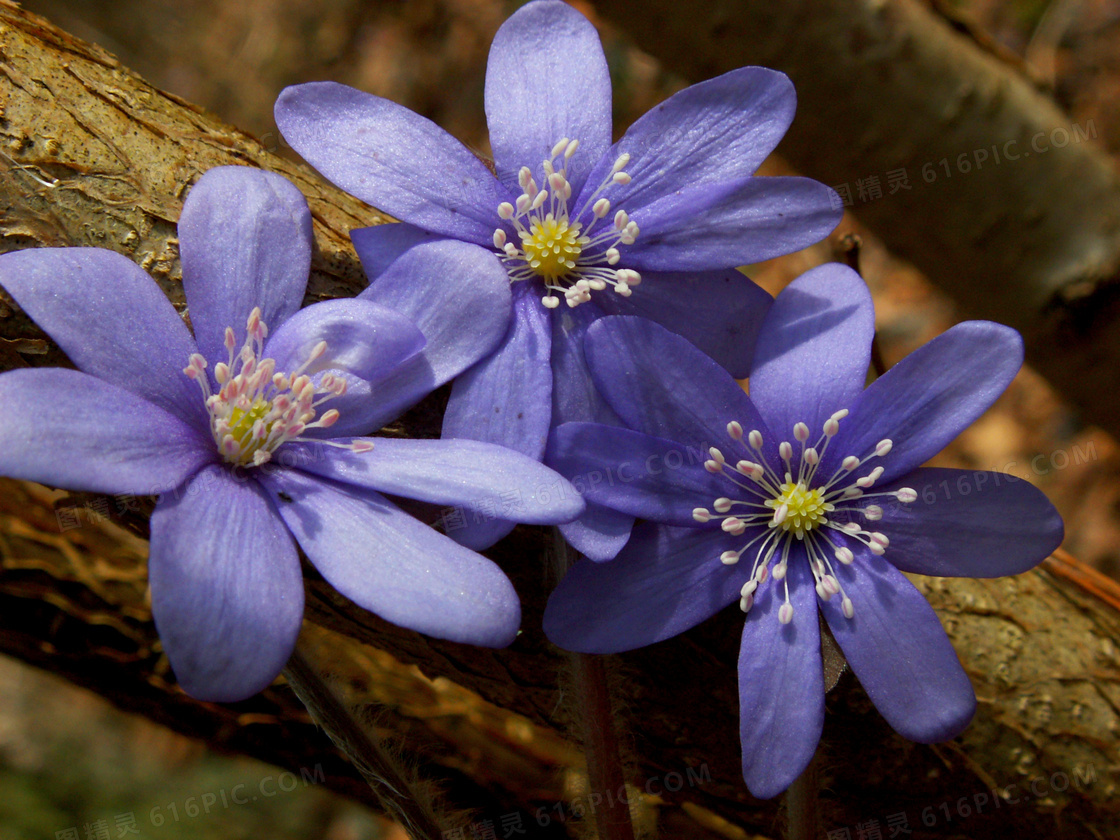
x=805, y=509
x=552, y=247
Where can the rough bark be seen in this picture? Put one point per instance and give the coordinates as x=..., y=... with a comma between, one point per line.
x=1033, y=242
x=1043, y=656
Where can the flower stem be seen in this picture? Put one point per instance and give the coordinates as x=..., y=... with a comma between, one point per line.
x=600, y=744
x=375, y=764
x=802, y=805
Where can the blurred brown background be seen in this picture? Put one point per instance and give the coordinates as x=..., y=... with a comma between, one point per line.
x=71, y=761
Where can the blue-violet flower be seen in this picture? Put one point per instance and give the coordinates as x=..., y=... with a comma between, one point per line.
x=807, y=492
x=241, y=430
x=653, y=225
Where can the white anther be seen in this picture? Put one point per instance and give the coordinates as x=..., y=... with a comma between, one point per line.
x=755, y=439
x=722, y=505
x=571, y=150
x=780, y=514
x=785, y=450
x=880, y=539
x=601, y=208
x=612, y=256
x=801, y=432
x=734, y=430
x=746, y=603
x=831, y=427
x=785, y=613
x=701, y=514
x=505, y=211
x=561, y=145
x=847, y=607
x=883, y=447
x=873, y=513
x=780, y=571
x=621, y=178
x=550, y=302
x=716, y=455
x=748, y=588
x=500, y=239
x=812, y=457
x=729, y=558
x=849, y=463
x=906, y=495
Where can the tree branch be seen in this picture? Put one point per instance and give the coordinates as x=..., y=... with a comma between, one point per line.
x=1043, y=656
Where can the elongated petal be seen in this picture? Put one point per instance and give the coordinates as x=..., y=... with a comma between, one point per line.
x=663, y=582
x=69, y=429
x=363, y=338
x=647, y=477
x=507, y=397
x=898, y=649
x=395, y=566
x=660, y=384
x=245, y=241
x=380, y=246
x=459, y=297
x=600, y=533
x=814, y=350
x=717, y=131
x=227, y=591
x=720, y=312
x=110, y=318
x=574, y=396
x=713, y=226
x=929, y=397
x=968, y=523
x=391, y=158
x=452, y=472
x=781, y=683
x=547, y=79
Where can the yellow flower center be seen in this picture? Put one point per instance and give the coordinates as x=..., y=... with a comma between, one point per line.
x=805, y=509
x=552, y=247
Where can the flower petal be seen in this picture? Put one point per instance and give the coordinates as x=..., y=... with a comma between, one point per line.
x=714, y=226
x=110, y=318
x=968, y=523
x=459, y=296
x=363, y=338
x=451, y=472
x=717, y=131
x=69, y=429
x=574, y=396
x=647, y=477
x=929, y=397
x=398, y=161
x=781, y=683
x=506, y=399
x=660, y=384
x=245, y=241
x=898, y=649
x=720, y=312
x=395, y=566
x=380, y=246
x=599, y=534
x=227, y=590
x=566, y=93
x=813, y=350
x=663, y=582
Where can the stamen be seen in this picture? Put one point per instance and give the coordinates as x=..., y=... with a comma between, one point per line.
x=557, y=245
x=257, y=410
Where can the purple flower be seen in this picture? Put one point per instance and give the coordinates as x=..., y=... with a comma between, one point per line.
x=808, y=492
x=242, y=430
x=652, y=225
